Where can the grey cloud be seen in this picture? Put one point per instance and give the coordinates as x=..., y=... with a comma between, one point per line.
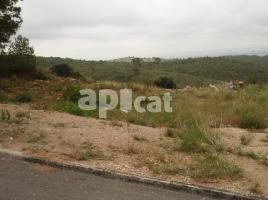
x=113, y=28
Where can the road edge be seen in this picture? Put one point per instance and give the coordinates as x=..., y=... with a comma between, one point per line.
x=177, y=186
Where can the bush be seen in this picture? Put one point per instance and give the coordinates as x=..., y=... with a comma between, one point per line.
x=72, y=93
x=65, y=70
x=245, y=139
x=24, y=98
x=165, y=82
x=41, y=75
x=62, y=70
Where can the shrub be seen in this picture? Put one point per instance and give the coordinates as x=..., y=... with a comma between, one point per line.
x=165, y=82
x=24, y=98
x=215, y=167
x=62, y=70
x=65, y=70
x=41, y=75
x=245, y=139
x=72, y=93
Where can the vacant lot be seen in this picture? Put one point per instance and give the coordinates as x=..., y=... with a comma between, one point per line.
x=213, y=138
x=136, y=149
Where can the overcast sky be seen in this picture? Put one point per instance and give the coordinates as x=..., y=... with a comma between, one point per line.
x=105, y=29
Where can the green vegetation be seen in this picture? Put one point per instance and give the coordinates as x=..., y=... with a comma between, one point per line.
x=172, y=133
x=255, y=188
x=199, y=140
x=88, y=153
x=72, y=108
x=167, y=169
x=245, y=139
x=24, y=98
x=22, y=114
x=139, y=138
x=11, y=20
x=19, y=60
x=65, y=70
x=165, y=82
x=194, y=72
x=215, y=167
x=252, y=155
x=250, y=118
x=72, y=93
x=5, y=115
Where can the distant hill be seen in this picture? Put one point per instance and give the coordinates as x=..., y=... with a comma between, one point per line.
x=191, y=71
x=129, y=59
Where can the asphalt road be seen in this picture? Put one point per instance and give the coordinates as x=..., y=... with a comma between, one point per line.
x=25, y=181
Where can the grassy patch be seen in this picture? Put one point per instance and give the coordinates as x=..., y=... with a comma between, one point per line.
x=135, y=119
x=255, y=189
x=72, y=108
x=167, y=169
x=215, y=167
x=251, y=117
x=198, y=140
x=252, y=155
x=264, y=160
x=158, y=163
x=5, y=115
x=87, y=153
x=140, y=138
x=116, y=123
x=172, y=133
x=36, y=139
x=22, y=114
x=131, y=150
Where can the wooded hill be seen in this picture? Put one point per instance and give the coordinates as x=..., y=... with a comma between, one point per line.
x=191, y=71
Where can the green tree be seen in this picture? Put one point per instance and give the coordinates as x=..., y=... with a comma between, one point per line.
x=10, y=20
x=165, y=82
x=137, y=62
x=157, y=60
x=21, y=47
x=21, y=57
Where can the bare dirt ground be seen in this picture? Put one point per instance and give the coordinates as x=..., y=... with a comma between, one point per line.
x=120, y=146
